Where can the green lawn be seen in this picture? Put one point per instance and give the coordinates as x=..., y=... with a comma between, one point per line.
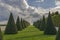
x=30, y=33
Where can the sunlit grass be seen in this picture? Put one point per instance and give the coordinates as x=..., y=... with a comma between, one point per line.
x=29, y=33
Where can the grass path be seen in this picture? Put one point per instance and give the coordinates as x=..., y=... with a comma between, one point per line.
x=30, y=33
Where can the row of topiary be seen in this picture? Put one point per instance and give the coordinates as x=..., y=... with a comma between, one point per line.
x=48, y=27
x=13, y=28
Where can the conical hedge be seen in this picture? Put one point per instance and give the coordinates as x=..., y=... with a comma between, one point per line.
x=18, y=24
x=11, y=27
x=22, y=23
x=43, y=24
x=50, y=29
x=1, y=36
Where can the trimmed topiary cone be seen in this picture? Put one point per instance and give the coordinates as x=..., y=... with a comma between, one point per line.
x=11, y=27
x=50, y=29
x=18, y=24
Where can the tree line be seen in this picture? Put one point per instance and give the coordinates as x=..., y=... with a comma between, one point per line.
x=47, y=26
x=12, y=27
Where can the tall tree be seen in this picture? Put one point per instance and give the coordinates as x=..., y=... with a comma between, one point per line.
x=43, y=24
x=50, y=29
x=18, y=24
x=22, y=23
x=11, y=27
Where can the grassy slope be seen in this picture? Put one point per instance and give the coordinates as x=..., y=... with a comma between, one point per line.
x=30, y=33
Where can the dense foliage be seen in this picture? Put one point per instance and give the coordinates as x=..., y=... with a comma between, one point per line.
x=11, y=27
x=50, y=28
x=18, y=24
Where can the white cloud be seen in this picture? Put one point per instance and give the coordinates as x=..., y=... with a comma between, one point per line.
x=25, y=2
x=23, y=9
x=9, y=7
x=55, y=9
x=58, y=3
x=26, y=11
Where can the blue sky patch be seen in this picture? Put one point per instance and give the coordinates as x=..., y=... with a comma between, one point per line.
x=44, y=4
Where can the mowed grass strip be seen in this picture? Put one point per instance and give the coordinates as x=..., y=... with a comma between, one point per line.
x=29, y=33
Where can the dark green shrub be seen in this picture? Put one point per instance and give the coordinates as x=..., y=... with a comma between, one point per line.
x=56, y=13
x=43, y=24
x=50, y=29
x=11, y=27
x=18, y=24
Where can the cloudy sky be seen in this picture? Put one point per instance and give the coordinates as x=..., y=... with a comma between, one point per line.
x=30, y=10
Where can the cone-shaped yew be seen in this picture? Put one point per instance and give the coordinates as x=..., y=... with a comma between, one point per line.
x=43, y=24
x=11, y=27
x=50, y=29
x=18, y=24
